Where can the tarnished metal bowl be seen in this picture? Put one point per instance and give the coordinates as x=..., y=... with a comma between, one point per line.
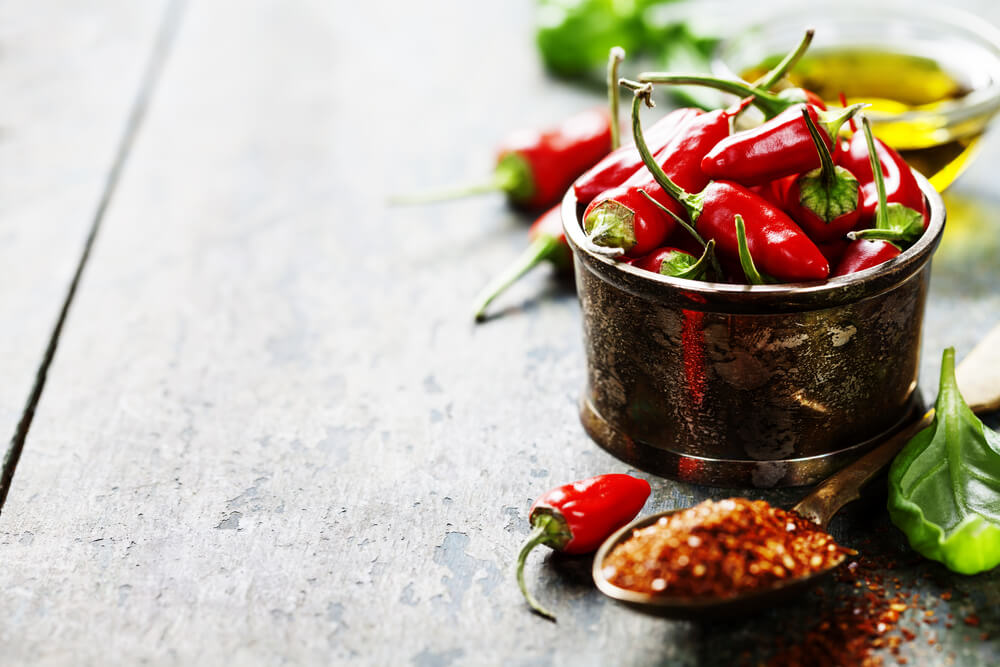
x=740, y=386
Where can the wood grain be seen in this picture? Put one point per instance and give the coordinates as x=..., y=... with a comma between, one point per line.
x=71, y=75
x=272, y=434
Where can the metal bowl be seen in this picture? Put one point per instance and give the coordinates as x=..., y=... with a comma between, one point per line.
x=738, y=385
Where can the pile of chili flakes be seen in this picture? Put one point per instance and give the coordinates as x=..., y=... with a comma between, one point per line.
x=720, y=549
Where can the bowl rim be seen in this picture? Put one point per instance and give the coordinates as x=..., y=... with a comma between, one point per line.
x=702, y=295
x=976, y=102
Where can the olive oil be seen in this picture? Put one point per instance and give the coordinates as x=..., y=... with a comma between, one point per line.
x=910, y=97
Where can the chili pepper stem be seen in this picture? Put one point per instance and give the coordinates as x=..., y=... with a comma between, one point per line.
x=542, y=248
x=787, y=63
x=828, y=170
x=510, y=175
x=716, y=267
x=753, y=276
x=615, y=58
x=770, y=104
x=882, y=212
x=832, y=122
x=539, y=535
x=893, y=222
x=698, y=269
x=689, y=201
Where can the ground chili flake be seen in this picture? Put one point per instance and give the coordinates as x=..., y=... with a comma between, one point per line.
x=721, y=548
x=972, y=620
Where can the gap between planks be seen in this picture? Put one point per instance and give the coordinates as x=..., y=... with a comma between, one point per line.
x=169, y=26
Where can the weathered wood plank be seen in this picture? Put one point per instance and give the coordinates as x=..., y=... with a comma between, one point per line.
x=273, y=435
x=70, y=78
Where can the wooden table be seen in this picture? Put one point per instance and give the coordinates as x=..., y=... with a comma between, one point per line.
x=269, y=432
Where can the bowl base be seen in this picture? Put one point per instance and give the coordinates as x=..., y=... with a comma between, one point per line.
x=729, y=473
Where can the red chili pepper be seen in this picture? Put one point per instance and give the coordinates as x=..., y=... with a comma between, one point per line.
x=624, y=218
x=621, y=164
x=823, y=201
x=834, y=250
x=777, y=148
x=576, y=518
x=777, y=243
x=864, y=254
x=775, y=191
x=900, y=184
x=535, y=167
x=548, y=243
x=894, y=220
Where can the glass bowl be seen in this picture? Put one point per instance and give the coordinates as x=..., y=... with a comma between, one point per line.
x=938, y=138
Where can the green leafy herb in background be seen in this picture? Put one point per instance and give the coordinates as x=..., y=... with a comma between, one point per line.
x=574, y=37
x=944, y=487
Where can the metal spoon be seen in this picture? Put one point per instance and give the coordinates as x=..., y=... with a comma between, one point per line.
x=979, y=379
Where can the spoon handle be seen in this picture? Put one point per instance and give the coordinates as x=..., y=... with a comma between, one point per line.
x=979, y=380
x=845, y=485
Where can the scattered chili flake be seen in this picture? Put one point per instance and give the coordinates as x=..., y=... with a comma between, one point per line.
x=946, y=595
x=984, y=636
x=972, y=620
x=910, y=636
x=721, y=548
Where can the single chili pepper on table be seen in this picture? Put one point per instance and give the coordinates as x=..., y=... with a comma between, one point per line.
x=624, y=218
x=902, y=193
x=576, y=518
x=548, y=243
x=624, y=162
x=778, y=244
x=780, y=147
x=823, y=201
x=535, y=167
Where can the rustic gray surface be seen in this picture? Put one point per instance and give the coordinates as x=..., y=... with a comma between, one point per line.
x=271, y=433
x=70, y=76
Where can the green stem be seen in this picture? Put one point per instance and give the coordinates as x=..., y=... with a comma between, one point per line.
x=688, y=228
x=511, y=175
x=542, y=248
x=828, y=172
x=538, y=536
x=787, y=63
x=697, y=270
x=644, y=92
x=833, y=123
x=746, y=261
x=615, y=57
x=770, y=104
x=882, y=212
x=878, y=234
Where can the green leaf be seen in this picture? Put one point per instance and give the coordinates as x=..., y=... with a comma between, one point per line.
x=574, y=36
x=944, y=486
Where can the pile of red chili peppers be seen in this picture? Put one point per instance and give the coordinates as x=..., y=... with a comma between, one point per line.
x=787, y=201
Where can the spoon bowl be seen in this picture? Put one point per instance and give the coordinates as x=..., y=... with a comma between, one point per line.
x=684, y=607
